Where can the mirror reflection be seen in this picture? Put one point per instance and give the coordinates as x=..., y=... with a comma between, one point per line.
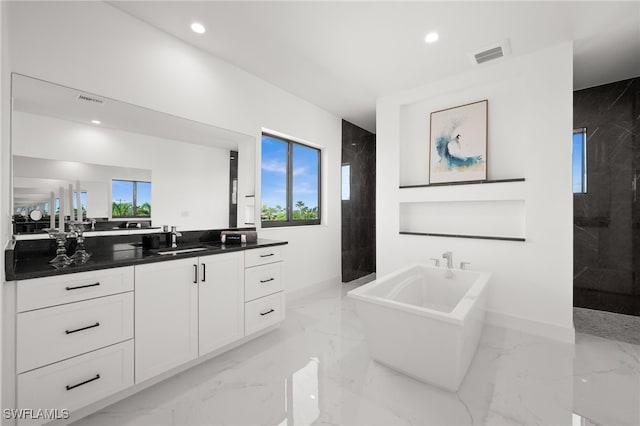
x=135, y=166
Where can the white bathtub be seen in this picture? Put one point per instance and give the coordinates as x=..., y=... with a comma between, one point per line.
x=424, y=321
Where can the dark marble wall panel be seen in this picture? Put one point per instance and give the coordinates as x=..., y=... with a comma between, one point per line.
x=233, y=176
x=607, y=217
x=359, y=212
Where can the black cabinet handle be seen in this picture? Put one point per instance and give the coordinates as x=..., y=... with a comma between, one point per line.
x=204, y=272
x=83, y=328
x=83, y=286
x=195, y=273
x=266, y=281
x=83, y=383
x=268, y=312
x=266, y=255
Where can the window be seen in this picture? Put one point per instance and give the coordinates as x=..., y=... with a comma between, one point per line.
x=579, y=160
x=290, y=183
x=130, y=198
x=346, y=182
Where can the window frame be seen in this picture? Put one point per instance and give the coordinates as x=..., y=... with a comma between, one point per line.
x=134, y=202
x=289, y=190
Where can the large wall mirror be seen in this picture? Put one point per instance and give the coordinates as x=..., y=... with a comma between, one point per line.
x=132, y=164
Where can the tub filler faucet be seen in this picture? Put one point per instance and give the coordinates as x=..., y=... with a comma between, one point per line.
x=449, y=256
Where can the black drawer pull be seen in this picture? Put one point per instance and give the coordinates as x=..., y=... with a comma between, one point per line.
x=83, y=383
x=204, y=272
x=83, y=286
x=83, y=328
x=266, y=281
x=267, y=255
x=195, y=273
x=268, y=312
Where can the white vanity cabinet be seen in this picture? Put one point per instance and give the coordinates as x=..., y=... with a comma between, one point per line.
x=80, y=338
x=186, y=308
x=264, y=288
x=166, y=316
x=220, y=301
x=74, y=339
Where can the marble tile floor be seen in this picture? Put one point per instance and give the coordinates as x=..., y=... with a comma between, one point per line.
x=362, y=280
x=315, y=369
x=625, y=328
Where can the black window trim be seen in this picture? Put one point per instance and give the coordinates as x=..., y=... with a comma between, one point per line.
x=289, y=208
x=134, y=206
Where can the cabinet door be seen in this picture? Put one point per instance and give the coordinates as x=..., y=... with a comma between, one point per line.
x=221, y=300
x=166, y=316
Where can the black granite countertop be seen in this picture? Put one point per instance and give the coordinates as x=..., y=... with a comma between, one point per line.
x=123, y=254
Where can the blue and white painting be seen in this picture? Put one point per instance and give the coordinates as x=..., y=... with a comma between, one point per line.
x=458, y=151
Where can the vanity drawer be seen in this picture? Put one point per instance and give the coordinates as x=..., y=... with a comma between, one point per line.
x=262, y=256
x=50, y=291
x=263, y=312
x=49, y=335
x=262, y=281
x=78, y=381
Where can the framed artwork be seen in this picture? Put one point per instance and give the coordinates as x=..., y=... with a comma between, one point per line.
x=458, y=144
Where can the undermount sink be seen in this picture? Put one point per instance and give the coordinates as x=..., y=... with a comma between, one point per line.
x=180, y=251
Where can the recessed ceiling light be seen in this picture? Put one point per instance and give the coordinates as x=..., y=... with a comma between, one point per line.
x=197, y=27
x=432, y=37
x=96, y=121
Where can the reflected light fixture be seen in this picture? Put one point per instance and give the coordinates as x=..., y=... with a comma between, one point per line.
x=198, y=28
x=432, y=37
x=96, y=121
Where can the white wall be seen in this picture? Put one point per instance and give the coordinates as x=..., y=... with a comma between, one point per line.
x=94, y=47
x=530, y=127
x=190, y=183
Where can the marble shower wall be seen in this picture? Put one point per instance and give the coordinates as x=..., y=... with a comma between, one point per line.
x=233, y=175
x=607, y=217
x=359, y=212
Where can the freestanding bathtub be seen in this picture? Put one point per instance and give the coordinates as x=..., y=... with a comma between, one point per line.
x=424, y=321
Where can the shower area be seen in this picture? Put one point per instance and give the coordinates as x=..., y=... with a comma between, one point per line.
x=358, y=202
x=607, y=199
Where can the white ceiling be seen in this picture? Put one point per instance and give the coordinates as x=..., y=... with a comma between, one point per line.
x=341, y=56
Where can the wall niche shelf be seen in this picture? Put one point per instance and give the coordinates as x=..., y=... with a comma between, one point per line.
x=480, y=182
x=249, y=209
x=494, y=190
x=475, y=237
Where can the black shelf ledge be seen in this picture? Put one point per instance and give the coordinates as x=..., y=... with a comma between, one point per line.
x=479, y=182
x=475, y=237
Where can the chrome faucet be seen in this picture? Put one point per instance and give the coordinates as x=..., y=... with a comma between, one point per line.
x=174, y=237
x=449, y=256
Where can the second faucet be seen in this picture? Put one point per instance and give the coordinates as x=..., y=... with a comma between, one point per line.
x=449, y=256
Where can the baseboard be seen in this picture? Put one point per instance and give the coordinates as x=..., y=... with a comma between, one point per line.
x=300, y=293
x=549, y=331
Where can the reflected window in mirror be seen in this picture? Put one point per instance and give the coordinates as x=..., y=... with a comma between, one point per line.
x=130, y=198
x=83, y=196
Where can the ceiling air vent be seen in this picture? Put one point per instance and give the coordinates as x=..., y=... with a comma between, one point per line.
x=491, y=53
x=91, y=99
